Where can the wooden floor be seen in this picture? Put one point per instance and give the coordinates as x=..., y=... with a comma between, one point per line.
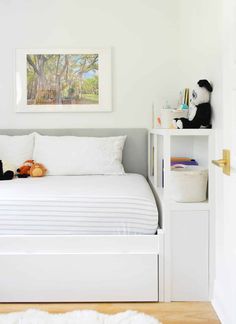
x=167, y=313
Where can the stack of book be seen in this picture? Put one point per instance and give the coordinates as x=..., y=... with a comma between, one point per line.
x=183, y=102
x=183, y=160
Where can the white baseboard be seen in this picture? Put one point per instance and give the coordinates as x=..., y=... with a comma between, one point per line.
x=219, y=311
x=219, y=306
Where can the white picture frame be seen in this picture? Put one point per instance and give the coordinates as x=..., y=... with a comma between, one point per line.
x=98, y=101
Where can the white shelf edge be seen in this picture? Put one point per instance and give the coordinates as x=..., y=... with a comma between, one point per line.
x=182, y=132
x=190, y=206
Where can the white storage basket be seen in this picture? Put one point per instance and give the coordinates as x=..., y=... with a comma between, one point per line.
x=189, y=184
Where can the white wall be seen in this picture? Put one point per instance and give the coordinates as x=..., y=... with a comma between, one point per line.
x=143, y=37
x=200, y=50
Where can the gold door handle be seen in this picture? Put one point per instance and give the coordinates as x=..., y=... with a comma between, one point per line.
x=224, y=163
x=220, y=163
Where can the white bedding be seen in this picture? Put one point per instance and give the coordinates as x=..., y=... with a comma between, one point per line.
x=96, y=205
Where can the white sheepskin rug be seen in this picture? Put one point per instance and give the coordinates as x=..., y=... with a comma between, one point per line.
x=33, y=316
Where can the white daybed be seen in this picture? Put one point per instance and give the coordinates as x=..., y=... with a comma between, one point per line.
x=60, y=255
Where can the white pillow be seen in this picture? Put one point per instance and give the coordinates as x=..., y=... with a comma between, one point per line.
x=72, y=155
x=16, y=149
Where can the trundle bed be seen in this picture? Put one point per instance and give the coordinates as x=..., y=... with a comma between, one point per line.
x=82, y=238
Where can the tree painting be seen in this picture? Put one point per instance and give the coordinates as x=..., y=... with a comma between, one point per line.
x=62, y=79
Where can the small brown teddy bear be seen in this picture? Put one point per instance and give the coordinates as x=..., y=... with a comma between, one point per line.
x=24, y=170
x=37, y=170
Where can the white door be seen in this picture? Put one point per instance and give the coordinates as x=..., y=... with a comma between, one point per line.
x=224, y=296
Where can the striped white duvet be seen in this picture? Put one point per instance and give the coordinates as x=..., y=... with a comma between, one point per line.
x=95, y=205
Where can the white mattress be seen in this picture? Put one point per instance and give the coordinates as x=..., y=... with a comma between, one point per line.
x=96, y=205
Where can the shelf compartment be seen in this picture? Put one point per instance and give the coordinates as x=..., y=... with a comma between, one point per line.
x=173, y=205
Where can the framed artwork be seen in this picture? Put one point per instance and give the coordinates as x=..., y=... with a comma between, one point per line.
x=72, y=80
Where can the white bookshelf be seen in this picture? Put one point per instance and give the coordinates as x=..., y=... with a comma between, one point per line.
x=187, y=227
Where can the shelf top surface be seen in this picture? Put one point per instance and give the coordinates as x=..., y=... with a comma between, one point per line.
x=181, y=132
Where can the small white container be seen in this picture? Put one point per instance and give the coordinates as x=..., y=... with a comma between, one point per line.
x=167, y=116
x=189, y=184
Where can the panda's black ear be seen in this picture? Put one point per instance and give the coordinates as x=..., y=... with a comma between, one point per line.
x=205, y=84
x=1, y=168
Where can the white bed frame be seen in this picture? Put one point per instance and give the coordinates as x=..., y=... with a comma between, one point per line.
x=75, y=268
x=80, y=268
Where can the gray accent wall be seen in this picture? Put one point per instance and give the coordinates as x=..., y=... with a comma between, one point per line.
x=135, y=155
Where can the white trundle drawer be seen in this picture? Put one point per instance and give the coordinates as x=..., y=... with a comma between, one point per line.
x=78, y=277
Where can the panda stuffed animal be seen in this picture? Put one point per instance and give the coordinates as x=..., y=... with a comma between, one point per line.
x=6, y=171
x=199, y=109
